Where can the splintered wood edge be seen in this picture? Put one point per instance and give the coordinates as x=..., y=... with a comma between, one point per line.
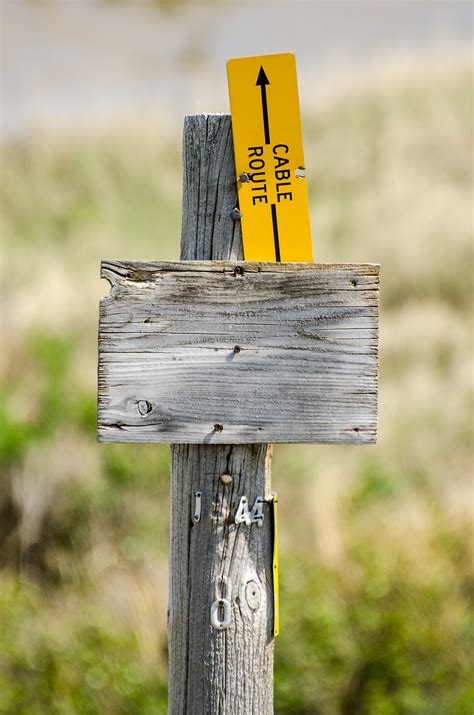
x=117, y=271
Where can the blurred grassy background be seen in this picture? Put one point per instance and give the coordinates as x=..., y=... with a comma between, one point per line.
x=376, y=562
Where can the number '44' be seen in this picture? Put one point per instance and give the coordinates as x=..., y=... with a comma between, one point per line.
x=244, y=516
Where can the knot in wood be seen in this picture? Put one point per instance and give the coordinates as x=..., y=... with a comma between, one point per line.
x=252, y=595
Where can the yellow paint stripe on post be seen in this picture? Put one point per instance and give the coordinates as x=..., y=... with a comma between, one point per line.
x=268, y=149
x=276, y=575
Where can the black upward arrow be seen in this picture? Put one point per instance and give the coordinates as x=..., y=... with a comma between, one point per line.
x=262, y=81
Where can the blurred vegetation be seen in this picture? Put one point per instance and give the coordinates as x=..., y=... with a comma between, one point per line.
x=376, y=562
x=167, y=5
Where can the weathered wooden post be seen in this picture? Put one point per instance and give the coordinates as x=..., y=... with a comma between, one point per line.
x=211, y=671
x=221, y=358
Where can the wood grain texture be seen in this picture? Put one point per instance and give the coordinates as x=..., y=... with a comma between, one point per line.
x=281, y=353
x=227, y=672
x=231, y=671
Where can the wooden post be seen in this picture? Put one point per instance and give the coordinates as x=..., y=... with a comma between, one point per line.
x=220, y=351
x=212, y=671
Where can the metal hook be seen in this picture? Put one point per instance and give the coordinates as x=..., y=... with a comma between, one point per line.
x=197, y=507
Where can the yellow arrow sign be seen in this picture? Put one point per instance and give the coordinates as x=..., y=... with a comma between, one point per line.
x=268, y=148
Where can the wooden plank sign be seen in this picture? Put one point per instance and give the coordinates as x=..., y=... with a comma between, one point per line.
x=233, y=352
x=268, y=149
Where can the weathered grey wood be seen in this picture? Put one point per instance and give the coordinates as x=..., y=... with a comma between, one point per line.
x=231, y=671
x=290, y=353
x=211, y=671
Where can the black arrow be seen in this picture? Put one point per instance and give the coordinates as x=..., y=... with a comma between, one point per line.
x=275, y=233
x=262, y=81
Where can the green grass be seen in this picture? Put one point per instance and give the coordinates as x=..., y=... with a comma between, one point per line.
x=376, y=542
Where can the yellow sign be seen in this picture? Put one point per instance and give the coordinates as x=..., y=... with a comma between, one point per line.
x=268, y=148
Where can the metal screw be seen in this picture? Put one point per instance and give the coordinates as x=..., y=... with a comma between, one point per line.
x=244, y=178
x=236, y=214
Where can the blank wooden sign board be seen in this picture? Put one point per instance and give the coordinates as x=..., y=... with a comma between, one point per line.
x=219, y=352
x=221, y=358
